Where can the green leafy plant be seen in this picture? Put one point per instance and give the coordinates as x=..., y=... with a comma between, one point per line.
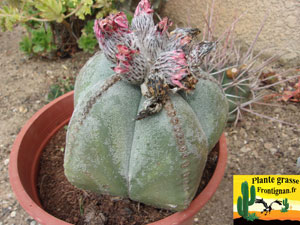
x=243, y=202
x=63, y=86
x=26, y=45
x=286, y=206
x=42, y=40
x=88, y=41
x=55, y=92
x=37, y=41
x=54, y=25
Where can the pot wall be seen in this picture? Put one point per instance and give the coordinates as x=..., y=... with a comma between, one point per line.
x=27, y=149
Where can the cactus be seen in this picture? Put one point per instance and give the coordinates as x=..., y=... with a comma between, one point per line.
x=244, y=203
x=241, y=71
x=143, y=123
x=286, y=205
x=236, y=94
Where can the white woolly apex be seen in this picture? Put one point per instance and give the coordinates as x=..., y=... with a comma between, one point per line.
x=147, y=54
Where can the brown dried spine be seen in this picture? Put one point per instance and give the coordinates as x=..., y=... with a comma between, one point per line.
x=89, y=104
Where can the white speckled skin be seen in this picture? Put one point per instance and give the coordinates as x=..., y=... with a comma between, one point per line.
x=109, y=152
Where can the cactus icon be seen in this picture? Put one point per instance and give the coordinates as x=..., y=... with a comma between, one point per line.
x=286, y=205
x=243, y=203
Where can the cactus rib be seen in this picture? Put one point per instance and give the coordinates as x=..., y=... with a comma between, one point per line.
x=89, y=104
x=180, y=140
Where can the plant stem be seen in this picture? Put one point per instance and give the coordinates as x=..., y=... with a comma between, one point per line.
x=53, y=33
x=69, y=28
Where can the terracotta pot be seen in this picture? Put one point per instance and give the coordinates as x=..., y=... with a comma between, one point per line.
x=27, y=149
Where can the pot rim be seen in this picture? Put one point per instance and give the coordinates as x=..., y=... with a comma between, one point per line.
x=33, y=206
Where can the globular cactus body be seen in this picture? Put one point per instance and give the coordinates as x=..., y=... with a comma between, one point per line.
x=157, y=159
x=236, y=94
x=243, y=203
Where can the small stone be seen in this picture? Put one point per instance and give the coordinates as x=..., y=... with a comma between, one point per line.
x=289, y=4
x=196, y=219
x=33, y=222
x=6, y=161
x=116, y=198
x=13, y=214
x=255, y=154
x=23, y=110
x=10, y=195
x=245, y=149
x=273, y=150
x=126, y=211
x=65, y=68
x=248, y=125
x=268, y=145
x=277, y=110
x=298, y=162
x=291, y=21
x=49, y=72
x=292, y=108
x=243, y=132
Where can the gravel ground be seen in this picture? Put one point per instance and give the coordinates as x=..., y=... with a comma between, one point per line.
x=256, y=145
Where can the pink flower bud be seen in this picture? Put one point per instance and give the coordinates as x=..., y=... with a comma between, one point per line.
x=179, y=58
x=122, y=49
x=144, y=6
x=120, y=57
x=110, y=25
x=164, y=25
x=185, y=40
x=177, y=83
x=120, y=20
x=124, y=53
x=122, y=68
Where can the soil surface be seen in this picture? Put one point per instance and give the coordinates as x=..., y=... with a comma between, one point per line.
x=255, y=145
